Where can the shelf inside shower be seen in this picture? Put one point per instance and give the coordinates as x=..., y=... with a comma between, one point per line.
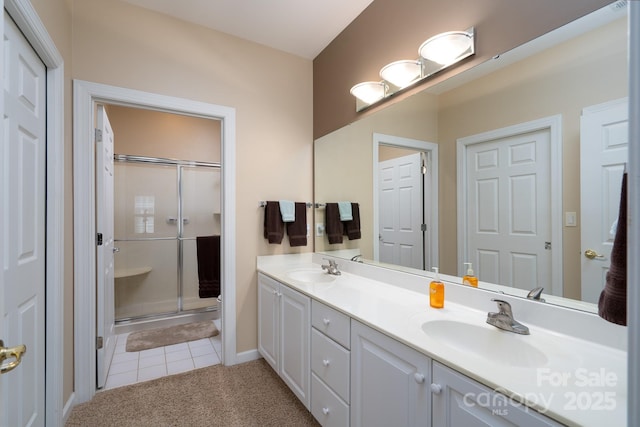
x=130, y=272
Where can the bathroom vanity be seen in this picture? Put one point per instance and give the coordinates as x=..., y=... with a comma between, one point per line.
x=364, y=348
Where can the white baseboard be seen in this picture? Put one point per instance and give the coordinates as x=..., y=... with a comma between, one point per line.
x=248, y=356
x=66, y=411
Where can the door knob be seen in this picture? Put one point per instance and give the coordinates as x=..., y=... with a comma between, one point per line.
x=591, y=254
x=7, y=353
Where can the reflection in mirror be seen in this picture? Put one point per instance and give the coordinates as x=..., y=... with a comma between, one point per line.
x=562, y=76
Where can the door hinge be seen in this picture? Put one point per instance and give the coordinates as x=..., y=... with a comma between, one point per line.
x=423, y=227
x=98, y=135
x=547, y=245
x=99, y=239
x=99, y=343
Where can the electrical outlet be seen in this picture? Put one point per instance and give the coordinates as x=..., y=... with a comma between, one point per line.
x=319, y=229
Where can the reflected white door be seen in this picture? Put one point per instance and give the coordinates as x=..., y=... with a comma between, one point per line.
x=400, y=205
x=22, y=245
x=604, y=140
x=509, y=209
x=105, y=247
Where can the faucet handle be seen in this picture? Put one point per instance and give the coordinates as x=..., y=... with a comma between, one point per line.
x=503, y=306
x=535, y=294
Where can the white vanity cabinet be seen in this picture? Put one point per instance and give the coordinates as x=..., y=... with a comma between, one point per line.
x=458, y=400
x=330, y=365
x=284, y=325
x=389, y=381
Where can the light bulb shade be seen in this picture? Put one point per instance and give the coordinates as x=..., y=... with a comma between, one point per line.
x=402, y=73
x=447, y=48
x=369, y=92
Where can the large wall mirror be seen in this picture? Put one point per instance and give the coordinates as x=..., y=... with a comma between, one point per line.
x=540, y=110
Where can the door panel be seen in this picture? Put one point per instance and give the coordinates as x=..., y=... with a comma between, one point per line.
x=509, y=209
x=604, y=141
x=400, y=208
x=105, y=252
x=22, y=247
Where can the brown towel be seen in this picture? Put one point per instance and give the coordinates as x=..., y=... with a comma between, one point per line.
x=333, y=225
x=208, y=256
x=352, y=228
x=273, y=225
x=612, y=305
x=297, y=230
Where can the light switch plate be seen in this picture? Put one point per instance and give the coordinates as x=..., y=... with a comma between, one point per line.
x=570, y=219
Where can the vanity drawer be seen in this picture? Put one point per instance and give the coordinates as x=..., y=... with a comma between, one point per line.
x=330, y=362
x=331, y=323
x=326, y=406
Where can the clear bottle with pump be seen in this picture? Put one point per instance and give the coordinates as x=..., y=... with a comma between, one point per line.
x=470, y=279
x=436, y=291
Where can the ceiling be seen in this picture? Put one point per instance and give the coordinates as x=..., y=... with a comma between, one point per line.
x=300, y=27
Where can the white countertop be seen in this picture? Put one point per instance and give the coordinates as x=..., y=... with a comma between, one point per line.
x=582, y=383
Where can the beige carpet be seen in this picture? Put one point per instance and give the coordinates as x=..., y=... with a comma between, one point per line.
x=160, y=337
x=249, y=394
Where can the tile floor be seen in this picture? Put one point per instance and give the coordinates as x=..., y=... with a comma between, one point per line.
x=134, y=367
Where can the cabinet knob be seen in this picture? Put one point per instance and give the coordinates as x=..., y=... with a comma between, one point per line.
x=326, y=362
x=326, y=321
x=419, y=377
x=436, y=388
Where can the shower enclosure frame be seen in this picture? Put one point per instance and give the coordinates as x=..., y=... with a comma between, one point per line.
x=180, y=165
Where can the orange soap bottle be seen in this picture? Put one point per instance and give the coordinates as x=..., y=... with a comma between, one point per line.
x=470, y=279
x=436, y=291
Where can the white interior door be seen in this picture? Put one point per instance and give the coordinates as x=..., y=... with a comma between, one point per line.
x=509, y=209
x=400, y=207
x=22, y=246
x=104, y=250
x=604, y=141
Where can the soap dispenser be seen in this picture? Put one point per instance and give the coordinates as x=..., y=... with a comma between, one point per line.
x=469, y=278
x=436, y=291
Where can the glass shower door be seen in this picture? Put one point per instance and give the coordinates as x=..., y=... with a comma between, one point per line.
x=200, y=196
x=146, y=231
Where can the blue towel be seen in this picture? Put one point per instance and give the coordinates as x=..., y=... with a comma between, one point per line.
x=345, y=211
x=287, y=210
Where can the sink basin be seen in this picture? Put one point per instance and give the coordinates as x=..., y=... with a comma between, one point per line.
x=311, y=276
x=501, y=347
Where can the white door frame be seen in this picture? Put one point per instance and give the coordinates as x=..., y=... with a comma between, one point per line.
x=35, y=32
x=86, y=95
x=554, y=125
x=397, y=141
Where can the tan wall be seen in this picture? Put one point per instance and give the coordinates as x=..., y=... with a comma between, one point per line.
x=123, y=45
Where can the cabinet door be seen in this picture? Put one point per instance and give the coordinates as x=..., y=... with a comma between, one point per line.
x=268, y=314
x=389, y=381
x=295, y=330
x=461, y=401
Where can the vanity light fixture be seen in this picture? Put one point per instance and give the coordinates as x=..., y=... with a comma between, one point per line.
x=447, y=48
x=369, y=92
x=402, y=73
x=437, y=53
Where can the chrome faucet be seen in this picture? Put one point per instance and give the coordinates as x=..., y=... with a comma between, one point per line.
x=357, y=258
x=504, y=319
x=535, y=294
x=332, y=268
